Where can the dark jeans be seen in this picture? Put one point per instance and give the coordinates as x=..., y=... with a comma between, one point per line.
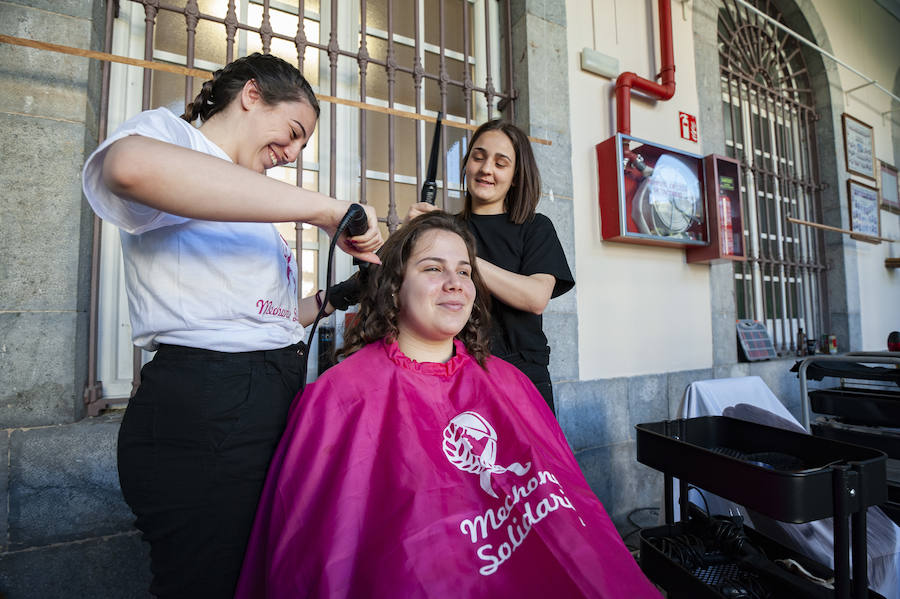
x=194, y=447
x=539, y=375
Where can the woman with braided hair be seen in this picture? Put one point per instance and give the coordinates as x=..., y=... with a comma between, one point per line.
x=212, y=287
x=421, y=466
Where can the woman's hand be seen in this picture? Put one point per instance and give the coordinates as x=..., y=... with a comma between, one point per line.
x=360, y=246
x=417, y=209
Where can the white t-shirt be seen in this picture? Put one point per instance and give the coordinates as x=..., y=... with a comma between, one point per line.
x=228, y=287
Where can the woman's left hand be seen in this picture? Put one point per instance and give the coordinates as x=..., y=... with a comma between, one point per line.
x=418, y=209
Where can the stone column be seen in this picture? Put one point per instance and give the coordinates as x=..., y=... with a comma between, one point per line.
x=64, y=529
x=540, y=67
x=48, y=125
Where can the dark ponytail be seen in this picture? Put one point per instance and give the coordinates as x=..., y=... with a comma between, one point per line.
x=277, y=81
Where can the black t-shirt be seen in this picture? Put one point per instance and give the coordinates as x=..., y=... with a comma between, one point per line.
x=530, y=248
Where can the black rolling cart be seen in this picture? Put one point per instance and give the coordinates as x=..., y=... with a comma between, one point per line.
x=785, y=475
x=863, y=409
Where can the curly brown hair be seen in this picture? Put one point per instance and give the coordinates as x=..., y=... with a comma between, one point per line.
x=379, y=308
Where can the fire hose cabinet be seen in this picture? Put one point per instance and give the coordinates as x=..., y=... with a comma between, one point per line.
x=724, y=209
x=651, y=194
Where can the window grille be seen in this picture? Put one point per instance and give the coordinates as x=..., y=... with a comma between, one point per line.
x=421, y=56
x=769, y=115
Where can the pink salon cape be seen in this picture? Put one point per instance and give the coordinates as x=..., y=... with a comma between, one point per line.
x=396, y=478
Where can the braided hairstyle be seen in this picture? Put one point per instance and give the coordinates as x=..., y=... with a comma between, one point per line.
x=276, y=79
x=379, y=308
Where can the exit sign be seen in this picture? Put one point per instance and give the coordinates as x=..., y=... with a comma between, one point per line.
x=688, y=124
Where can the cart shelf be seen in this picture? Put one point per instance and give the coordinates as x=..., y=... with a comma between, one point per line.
x=786, y=475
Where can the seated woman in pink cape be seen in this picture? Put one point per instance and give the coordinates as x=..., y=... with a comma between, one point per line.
x=421, y=466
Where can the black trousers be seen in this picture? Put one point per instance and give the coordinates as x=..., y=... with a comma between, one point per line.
x=539, y=375
x=194, y=447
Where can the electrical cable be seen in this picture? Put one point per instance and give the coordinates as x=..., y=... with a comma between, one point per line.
x=637, y=527
x=355, y=222
x=699, y=492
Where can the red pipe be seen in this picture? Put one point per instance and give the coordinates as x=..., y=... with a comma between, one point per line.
x=628, y=80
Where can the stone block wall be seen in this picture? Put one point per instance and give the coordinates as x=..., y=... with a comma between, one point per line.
x=538, y=29
x=44, y=268
x=64, y=529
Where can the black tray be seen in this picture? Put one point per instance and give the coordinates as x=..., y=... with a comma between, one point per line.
x=886, y=440
x=691, y=449
x=858, y=406
x=712, y=581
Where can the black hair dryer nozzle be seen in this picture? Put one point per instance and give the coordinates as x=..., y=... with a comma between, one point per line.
x=429, y=188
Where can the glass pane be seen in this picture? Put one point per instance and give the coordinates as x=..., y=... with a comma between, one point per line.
x=739, y=293
x=167, y=89
x=288, y=174
x=309, y=280
x=288, y=232
x=767, y=293
x=291, y=6
x=311, y=55
x=285, y=23
x=310, y=155
x=376, y=76
x=726, y=119
x=310, y=234
x=794, y=293
x=403, y=14
x=456, y=101
x=378, y=151
x=170, y=35
x=457, y=142
x=760, y=132
x=214, y=8
x=377, y=142
x=453, y=24
x=378, y=196
x=405, y=147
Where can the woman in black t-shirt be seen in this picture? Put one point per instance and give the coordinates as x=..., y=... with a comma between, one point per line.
x=519, y=254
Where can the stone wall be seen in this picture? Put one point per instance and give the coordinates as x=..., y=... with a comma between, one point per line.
x=64, y=529
x=538, y=30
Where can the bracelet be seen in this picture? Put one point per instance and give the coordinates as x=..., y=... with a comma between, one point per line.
x=318, y=299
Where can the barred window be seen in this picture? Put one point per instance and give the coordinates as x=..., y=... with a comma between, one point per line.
x=769, y=116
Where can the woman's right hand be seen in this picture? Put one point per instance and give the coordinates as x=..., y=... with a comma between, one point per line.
x=360, y=246
x=418, y=209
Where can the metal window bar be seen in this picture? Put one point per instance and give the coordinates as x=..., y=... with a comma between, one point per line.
x=232, y=27
x=770, y=114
